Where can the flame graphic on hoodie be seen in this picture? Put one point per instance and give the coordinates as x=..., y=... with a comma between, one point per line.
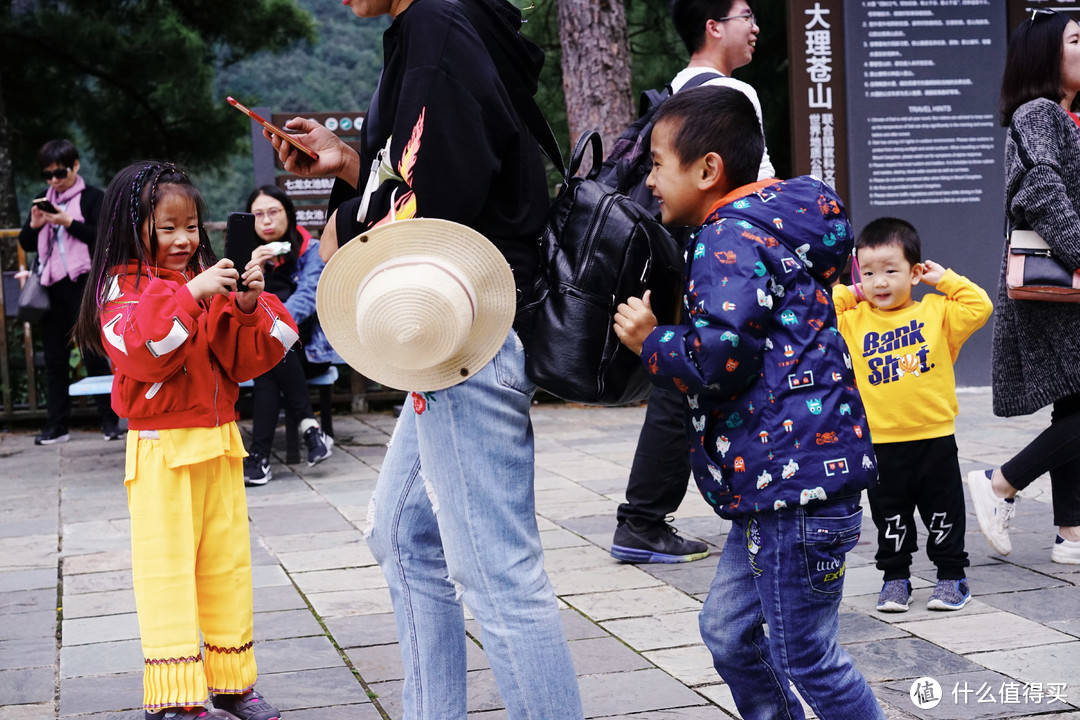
x=405, y=205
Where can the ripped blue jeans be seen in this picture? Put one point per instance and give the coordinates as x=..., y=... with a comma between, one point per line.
x=786, y=569
x=454, y=520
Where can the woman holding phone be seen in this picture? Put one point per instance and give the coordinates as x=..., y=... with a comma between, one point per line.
x=1036, y=344
x=61, y=230
x=291, y=266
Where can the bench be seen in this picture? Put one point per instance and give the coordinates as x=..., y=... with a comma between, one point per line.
x=102, y=385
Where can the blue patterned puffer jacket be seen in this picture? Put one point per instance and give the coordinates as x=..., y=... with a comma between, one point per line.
x=775, y=418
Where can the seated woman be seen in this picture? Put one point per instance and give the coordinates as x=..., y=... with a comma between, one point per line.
x=292, y=274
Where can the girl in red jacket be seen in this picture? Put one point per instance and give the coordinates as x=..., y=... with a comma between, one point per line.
x=181, y=339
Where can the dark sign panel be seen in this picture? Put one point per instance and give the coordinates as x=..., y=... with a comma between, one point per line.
x=924, y=77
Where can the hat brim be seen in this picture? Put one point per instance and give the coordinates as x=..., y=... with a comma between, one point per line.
x=478, y=259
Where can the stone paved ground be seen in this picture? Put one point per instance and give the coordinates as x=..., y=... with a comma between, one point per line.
x=325, y=639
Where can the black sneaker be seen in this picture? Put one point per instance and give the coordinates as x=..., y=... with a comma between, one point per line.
x=654, y=543
x=319, y=445
x=257, y=469
x=110, y=430
x=247, y=706
x=52, y=435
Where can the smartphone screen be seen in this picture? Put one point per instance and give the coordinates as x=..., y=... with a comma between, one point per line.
x=240, y=242
x=289, y=138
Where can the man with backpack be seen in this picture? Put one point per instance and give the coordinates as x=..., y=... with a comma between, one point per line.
x=720, y=36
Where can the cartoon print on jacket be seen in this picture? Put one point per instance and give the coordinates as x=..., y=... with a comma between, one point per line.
x=778, y=422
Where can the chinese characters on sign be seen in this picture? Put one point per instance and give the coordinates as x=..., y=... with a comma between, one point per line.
x=819, y=68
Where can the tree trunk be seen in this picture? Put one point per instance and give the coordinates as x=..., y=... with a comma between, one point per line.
x=596, y=67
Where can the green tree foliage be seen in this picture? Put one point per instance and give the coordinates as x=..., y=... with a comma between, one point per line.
x=134, y=77
x=338, y=72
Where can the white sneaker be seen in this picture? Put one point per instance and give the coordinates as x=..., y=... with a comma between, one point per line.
x=1066, y=552
x=994, y=513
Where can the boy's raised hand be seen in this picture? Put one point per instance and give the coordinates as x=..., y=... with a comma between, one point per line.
x=218, y=279
x=634, y=320
x=932, y=272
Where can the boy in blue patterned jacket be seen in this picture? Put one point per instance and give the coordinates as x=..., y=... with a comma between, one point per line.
x=778, y=437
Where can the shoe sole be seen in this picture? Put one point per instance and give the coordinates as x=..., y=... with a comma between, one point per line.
x=1063, y=559
x=984, y=514
x=892, y=607
x=939, y=604
x=636, y=555
x=53, y=441
x=257, y=482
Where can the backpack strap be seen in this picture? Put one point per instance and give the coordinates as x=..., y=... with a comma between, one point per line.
x=701, y=79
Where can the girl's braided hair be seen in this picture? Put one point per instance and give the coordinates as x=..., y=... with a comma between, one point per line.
x=130, y=201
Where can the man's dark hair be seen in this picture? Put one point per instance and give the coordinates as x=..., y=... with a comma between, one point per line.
x=690, y=16
x=720, y=120
x=57, y=152
x=1033, y=63
x=891, y=231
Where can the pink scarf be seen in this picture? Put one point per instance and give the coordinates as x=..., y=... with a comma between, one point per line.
x=63, y=254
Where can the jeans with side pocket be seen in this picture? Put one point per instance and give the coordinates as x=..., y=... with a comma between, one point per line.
x=453, y=520
x=786, y=569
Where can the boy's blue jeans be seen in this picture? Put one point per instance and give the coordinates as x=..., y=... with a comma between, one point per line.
x=786, y=569
x=453, y=519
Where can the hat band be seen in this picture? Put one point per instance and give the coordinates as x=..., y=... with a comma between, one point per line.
x=414, y=262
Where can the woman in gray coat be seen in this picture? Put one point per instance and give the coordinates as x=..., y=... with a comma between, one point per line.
x=1036, y=360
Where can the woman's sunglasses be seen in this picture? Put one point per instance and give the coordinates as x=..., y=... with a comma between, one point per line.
x=59, y=174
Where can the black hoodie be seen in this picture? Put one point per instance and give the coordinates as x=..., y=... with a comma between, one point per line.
x=465, y=154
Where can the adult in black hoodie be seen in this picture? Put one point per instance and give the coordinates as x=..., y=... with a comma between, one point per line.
x=452, y=518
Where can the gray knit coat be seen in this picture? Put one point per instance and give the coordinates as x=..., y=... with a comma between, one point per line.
x=1037, y=344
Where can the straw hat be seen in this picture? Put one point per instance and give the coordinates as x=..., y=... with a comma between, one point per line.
x=419, y=304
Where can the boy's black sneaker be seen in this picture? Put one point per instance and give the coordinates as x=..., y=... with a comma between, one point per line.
x=257, y=469
x=247, y=706
x=52, y=435
x=319, y=445
x=636, y=542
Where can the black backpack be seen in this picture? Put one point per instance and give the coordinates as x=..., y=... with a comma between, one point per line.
x=598, y=248
x=629, y=162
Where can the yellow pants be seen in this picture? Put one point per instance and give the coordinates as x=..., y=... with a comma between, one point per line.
x=191, y=563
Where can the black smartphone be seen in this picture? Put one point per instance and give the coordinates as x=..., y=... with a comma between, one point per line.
x=44, y=205
x=240, y=242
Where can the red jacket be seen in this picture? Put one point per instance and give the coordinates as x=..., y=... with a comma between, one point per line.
x=178, y=362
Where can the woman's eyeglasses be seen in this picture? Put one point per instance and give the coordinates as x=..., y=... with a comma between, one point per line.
x=260, y=214
x=59, y=174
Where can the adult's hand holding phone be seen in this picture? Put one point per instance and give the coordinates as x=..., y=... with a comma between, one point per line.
x=39, y=217
x=335, y=156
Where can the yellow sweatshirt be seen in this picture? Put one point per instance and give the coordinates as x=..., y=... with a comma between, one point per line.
x=903, y=359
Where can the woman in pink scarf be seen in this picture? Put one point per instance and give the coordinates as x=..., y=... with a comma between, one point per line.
x=63, y=241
